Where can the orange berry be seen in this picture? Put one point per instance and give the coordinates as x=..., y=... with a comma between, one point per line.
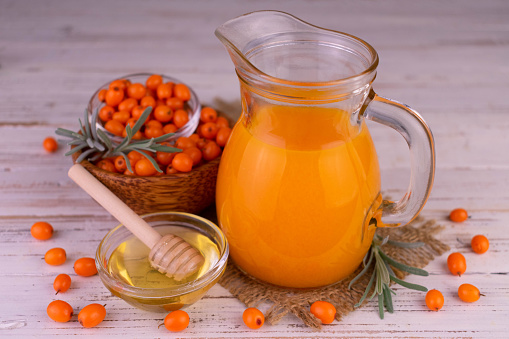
x=50, y=144
x=182, y=92
x=59, y=311
x=180, y=118
x=223, y=134
x=164, y=158
x=85, y=267
x=153, y=132
x=148, y=102
x=153, y=123
x=434, y=300
x=184, y=142
x=176, y=321
x=138, y=111
x=182, y=162
x=55, y=256
x=194, y=153
x=171, y=170
x=91, y=315
x=136, y=91
x=114, y=127
x=114, y=96
x=128, y=105
x=101, y=95
x=480, y=244
x=208, y=114
x=469, y=293
x=41, y=230
x=209, y=130
x=253, y=318
x=195, y=137
x=456, y=263
x=169, y=128
x=106, y=113
x=134, y=157
x=144, y=168
x=119, y=83
x=121, y=116
x=175, y=103
x=210, y=151
x=222, y=122
x=120, y=164
x=138, y=135
x=106, y=165
x=127, y=172
x=62, y=283
x=154, y=81
x=458, y=215
x=164, y=91
x=163, y=113
x=324, y=311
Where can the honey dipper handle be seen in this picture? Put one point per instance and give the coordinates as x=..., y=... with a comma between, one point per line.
x=114, y=205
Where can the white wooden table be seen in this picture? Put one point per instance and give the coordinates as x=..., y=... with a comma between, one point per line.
x=448, y=60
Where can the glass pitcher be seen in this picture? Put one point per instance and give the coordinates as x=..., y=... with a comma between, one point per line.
x=298, y=189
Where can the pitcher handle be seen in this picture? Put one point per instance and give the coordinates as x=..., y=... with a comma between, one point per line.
x=422, y=155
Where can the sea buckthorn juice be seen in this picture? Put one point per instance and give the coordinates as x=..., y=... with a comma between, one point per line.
x=294, y=187
x=298, y=188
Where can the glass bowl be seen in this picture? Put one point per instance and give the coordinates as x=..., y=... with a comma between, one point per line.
x=192, y=106
x=165, y=297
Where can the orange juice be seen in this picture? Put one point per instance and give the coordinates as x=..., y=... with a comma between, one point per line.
x=296, y=189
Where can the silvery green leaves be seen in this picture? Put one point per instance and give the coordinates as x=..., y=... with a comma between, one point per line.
x=382, y=275
x=95, y=144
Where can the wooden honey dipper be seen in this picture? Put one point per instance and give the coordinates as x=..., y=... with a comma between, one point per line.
x=170, y=254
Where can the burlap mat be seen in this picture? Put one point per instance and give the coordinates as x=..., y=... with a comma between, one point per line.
x=253, y=293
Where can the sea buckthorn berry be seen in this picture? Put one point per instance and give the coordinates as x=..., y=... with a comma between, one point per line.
x=131, y=122
x=41, y=230
x=208, y=114
x=114, y=96
x=171, y=170
x=194, y=153
x=163, y=113
x=180, y=118
x=144, y=168
x=102, y=95
x=456, y=263
x=434, y=300
x=127, y=172
x=195, y=137
x=480, y=244
x=62, y=283
x=154, y=81
x=136, y=91
x=458, y=215
x=169, y=128
x=114, y=127
x=469, y=293
x=153, y=123
x=138, y=135
x=134, y=157
x=222, y=122
x=106, y=113
x=59, y=311
x=128, y=105
x=119, y=83
x=91, y=315
x=138, y=111
x=324, y=311
x=55, y=256
x=164, y=91
x=120, y=164
x=211, y=151
x=176, y=321
x=184, y=142
x=148, y=102
x=223, y=134
x=85, y=267
x=153, y=132
x=164, y=158
x=175, y=103
x=182, y=162
x=181, y=91
x=253, y=318
x=106, y=165
x=209, y=130
x=50, y=144
x=121, y=116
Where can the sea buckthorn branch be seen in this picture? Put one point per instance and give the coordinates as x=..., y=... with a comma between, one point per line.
x=383, y=274
x=94, y=143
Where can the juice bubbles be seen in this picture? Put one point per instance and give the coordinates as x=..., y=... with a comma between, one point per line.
x=296, y=189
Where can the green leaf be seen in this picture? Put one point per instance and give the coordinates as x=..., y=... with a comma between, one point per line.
x=75, y=142
x=388, y=299
x=99, y=146
x=403, y=267
x=163, y=148
x=70, y=134
x=127, y=162
x=94, y=124
x=409, y=285
x=163, y=137
x=381, y=306
x=105, y=139
x=81, y=127
x=142, y=119
x=129, y=131
x=90, y=142
x=381, y=269
x=361, y=273
x=87, y=124
x=84, y=155
x=368, y=288
x=154, y=163
x=76, y=149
